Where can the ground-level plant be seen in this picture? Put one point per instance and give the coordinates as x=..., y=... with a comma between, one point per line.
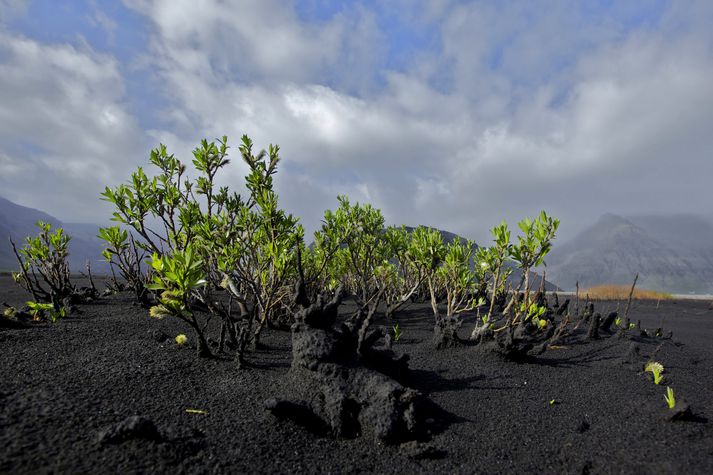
x=177, y=277
x=44, y=269
x=656, y=369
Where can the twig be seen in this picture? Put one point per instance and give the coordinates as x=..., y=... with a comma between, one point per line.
x=631, y=294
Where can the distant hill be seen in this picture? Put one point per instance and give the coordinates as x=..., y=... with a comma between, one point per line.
x=19, y=221
x=670, y=253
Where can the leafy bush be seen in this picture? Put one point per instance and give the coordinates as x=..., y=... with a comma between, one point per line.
x=123, y=253
x=247, y=248
x=47, y=311
x=533, y=245
x=256, y=243
x=44, y=270
x=176, y=278
x=361, y=249
x=457, y=278
x=494, y=259
x=426, y=253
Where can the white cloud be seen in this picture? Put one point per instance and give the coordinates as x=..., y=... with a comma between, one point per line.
x=567, y=106
x=63, y=123
x=518, y=108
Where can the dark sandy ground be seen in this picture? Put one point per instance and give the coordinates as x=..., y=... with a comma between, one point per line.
x=61, y=385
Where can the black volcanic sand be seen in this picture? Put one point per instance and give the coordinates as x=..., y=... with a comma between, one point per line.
x=63, y=385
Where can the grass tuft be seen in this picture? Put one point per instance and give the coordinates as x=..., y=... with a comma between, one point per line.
x=621, y=292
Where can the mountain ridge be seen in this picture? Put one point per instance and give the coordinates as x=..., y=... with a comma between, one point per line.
x=17, y=222
x=672, y=253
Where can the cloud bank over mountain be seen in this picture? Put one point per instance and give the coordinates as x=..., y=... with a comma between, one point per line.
x=452, y=114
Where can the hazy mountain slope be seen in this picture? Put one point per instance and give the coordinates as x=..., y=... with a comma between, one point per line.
x=19, y=221
x=670, y=253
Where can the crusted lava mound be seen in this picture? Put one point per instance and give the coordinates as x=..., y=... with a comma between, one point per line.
x=346, y=379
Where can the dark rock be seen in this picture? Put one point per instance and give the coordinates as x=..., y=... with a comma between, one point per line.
x=593, y=332
x=12, y=323
x=583, y=426
x=445, y=332
x=517, y=343
x=346, y=380
x=632, y=356
x=131, y=428
x=680, y=412
x=421, y=451
x=298, y=411
x=563, y=308
x=608, y=322
x=158, y=336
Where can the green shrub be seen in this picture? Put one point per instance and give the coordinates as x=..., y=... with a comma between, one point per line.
x=533, y=245
x=176, y=277
x=44, y=270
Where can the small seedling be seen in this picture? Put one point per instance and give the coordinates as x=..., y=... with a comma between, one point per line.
x=181, y=339
x=617, y=322
x=656, y=369
x=632, y=326
x=540, y=322
x=670, y=398
x=197, y=411
x=42, y=310
x=397, y=332
x=553, y=402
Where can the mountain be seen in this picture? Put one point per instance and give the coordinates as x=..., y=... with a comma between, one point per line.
x=670, y=253
x=17, y=222
x=516, y=275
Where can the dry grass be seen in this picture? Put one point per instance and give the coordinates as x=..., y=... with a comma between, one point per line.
x=621, y=292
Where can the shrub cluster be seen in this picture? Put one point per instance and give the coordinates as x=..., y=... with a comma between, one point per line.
x=190, y=249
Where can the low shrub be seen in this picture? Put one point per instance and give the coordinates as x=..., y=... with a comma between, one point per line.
x=44, y=270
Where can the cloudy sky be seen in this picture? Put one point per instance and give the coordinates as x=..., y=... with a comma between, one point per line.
x=454, y=114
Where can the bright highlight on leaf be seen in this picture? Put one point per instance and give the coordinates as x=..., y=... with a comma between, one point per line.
x=397, y=332
x=656, y=369
x=670, y=398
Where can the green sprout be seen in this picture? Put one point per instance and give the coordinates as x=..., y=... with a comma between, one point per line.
x=397, y=332
x=534, y=313
x=181, y=339
x=40, y=310
x=656, y=369
x=176, y=277
x=617, y=322
x=553, y=402
x=670, y=398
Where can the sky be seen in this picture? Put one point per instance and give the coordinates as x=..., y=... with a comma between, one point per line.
x=452, y=114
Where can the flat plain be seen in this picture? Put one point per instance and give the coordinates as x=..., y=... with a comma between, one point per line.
x=581, y=407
